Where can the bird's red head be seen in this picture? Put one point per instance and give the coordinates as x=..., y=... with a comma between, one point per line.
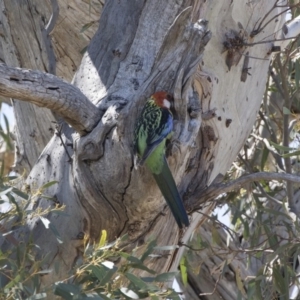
x=162, y=99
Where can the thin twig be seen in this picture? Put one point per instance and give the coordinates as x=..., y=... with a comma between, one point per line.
x=217, y=189
x=261, y=27
x=286, y=136
x=292, y=124
x=9, y=237
x=266, y=143
x=52, y=21
x=273, y=138
x=258, y=184
x=265, y=194
x=270, y=41
x=47, y=39
x=58, y=133
x=256, y=31
x=276, y=81
x=215, y=288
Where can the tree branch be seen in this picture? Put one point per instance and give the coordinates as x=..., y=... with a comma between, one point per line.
x=47, y=39
x=216, y=189
x=49, y=91
x=286, y=134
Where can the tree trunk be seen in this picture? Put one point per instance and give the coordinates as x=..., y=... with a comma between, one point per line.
x=140, y=47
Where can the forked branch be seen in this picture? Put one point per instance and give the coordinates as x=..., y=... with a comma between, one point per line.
x=217, y=189
x=49, y=91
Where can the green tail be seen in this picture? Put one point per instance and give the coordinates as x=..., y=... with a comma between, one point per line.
x=167, y=185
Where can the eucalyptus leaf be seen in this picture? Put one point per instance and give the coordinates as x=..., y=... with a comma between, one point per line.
x=183, y=271
x=6, y=191
x=286, y=111
x=86, y=26
x=37, y=296
x=166, y=248
x=134, y=259
x=165, y=277
x=138, y=282
x=110, y=273
x=264, y=158
x=108, y=264
x=48, y=184
x=280, y=147
x=43, y=272
x=20, y=194
x=279, y=280
x=45, y=221
x=103, y=239
x=98, y=271
x=56, y=233
x=295, y=153
x=142, y=267
x=66, y=291
x=129, y=293
x=94, y=296
x=150, y=247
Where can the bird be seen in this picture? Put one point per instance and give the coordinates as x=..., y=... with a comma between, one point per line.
x=152, y=129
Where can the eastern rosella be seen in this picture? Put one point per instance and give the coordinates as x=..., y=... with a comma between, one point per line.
x=152, y=130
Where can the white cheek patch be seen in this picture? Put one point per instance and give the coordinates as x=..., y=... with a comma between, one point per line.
x=167, y=103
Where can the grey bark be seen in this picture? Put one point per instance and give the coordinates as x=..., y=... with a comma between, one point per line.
x=32, y=138
x=45, y=90
x=23, y=36
x=140, y=47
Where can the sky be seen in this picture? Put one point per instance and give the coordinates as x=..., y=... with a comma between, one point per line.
x=8, y=112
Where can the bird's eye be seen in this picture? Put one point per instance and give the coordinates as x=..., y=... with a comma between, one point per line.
x=170, y=98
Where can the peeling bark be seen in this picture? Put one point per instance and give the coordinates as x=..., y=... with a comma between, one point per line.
x=140, y=47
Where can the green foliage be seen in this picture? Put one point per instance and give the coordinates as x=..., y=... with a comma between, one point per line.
x=20, y=270
x=262, y=212
x=265, y=224
x=183, y=270
x=105, y=270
